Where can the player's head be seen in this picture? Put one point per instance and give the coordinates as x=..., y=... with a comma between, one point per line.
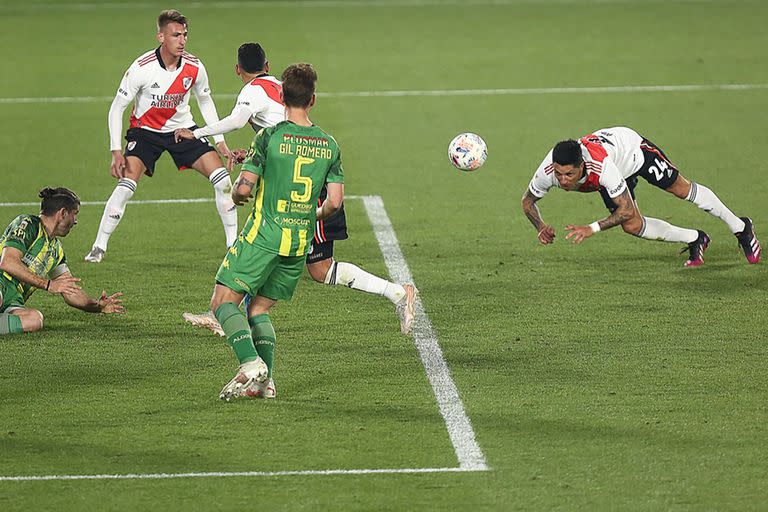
x=251, y=59
x=299, y=81
x=62, y=206
x=172, y=31
x=569, y=164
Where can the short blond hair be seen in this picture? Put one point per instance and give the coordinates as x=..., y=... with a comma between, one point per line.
x=170, y=16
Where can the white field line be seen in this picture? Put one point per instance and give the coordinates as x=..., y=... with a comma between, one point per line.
x=143, y=201
x=460, y=430
x=214, y=474
x=610, y=89
x=85, y=6
x=451, y=407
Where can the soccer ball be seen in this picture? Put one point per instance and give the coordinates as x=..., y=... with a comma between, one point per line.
x=467, y=151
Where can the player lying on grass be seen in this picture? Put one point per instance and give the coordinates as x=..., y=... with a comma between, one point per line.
x=610, y=161
x=260, y=105
x=159, y=83
x=31, y=257
x=287, y=167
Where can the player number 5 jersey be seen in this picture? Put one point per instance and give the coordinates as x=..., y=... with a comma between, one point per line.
x=293, y=162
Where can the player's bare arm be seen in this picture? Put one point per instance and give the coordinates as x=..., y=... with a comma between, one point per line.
x=242, y=190
x=107, y=304
x=546, y=233
x=10, y=262
x=333, y=202
x=625, y=211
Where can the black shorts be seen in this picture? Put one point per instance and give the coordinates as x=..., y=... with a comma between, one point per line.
x=326, y=231
x=657, y=170
x=332, y=228
x=147, y=146
x=319, y=252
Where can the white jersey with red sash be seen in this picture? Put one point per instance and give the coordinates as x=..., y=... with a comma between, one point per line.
x=610, y=156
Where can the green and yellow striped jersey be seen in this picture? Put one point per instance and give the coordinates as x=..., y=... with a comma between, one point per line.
x=293, y=162
x=43, y=256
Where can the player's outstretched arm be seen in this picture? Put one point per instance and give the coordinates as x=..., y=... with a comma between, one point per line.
x=546, y=232
x=333, y=202
x=10, y=262
x=626, y=210
x=242, y=190
x=103, y=304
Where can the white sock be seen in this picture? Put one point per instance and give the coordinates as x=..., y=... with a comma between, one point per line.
x=352, y=276
x=114, y=210
x=222, y=186
x=705, y=199
x=655, y=229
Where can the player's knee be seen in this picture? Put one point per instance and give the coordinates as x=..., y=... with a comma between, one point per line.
x=632, y=226
x=32, y=321
x=316, y=273
x=680, y=188
x=319, y=269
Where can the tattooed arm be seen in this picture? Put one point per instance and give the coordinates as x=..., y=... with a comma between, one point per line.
x=625, y=210
x=243, y=187
x=531, y=210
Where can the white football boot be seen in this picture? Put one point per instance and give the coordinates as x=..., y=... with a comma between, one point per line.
x=206, y=320
x=247, y=374
x=262, y=390
x=405, y=309
x=96, y=255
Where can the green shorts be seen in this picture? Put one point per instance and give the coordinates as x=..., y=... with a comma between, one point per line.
x=254, y=271
x=9, y=296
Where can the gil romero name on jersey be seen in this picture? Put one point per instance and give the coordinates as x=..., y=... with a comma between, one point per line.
x=294, y=163
x=161, y=96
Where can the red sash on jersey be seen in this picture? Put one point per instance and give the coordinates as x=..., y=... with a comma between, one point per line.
x=272, y=89
x=156, y=117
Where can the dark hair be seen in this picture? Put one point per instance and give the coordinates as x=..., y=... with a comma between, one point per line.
x=54, y=199
x=299, y=82
x=567, y=152
x=251, y=57
x=170, y=16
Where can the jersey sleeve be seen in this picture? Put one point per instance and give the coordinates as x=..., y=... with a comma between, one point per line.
x=611, y=179
x=127, y=90
x=60, y=267
x=253, y=99
x=202, y=92
x=336, y=171
x=543, y=178
x=257, y=155
x=130, y=84
x=21, y=233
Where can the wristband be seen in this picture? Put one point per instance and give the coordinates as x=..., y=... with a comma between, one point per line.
x=595, y=227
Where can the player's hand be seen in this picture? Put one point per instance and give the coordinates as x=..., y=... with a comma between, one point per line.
x=223, y=149
x=578, y=234
x=183, y=133
x=117, y=169
x=236, y=156
x=240, y=200
x=111, y=303
x=64, y=285
x=546, y=235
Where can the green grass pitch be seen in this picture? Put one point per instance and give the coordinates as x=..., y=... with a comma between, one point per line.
x=597, y=377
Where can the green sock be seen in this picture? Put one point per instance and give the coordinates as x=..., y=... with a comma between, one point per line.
x=236, y=330
x=263, y=335
x=10, y=324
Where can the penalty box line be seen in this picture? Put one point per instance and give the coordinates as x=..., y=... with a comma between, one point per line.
x=460, y=431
